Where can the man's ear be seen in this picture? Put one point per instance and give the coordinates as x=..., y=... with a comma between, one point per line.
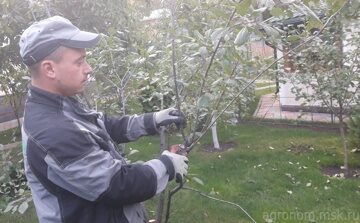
x=47, y=67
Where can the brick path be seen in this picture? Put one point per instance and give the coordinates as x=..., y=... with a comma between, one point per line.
x=269, y=108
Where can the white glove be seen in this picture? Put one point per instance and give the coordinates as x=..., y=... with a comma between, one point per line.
x=179, y=162
x=169, y=116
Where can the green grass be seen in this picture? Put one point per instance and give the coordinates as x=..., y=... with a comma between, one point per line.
x=9, y=135
x=28, y=217
x=263, y=84
x=261, y=179
x=261, y=92
x=262, y=175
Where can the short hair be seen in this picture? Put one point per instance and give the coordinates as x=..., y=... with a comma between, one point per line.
x=55, y=56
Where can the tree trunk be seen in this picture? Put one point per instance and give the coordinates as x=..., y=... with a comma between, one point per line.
x=15, y=107
x=123, y=102
x=160, y=207
x=214, y=133
x=344, y=142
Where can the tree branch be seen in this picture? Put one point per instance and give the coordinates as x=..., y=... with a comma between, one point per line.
x=220, y=200
x=267, y=68
x=173, y=61
x=207, y=73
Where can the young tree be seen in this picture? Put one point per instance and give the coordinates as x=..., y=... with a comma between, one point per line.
x=329, y=68
x=13, y=81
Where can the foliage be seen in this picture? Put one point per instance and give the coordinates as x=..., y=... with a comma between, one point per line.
x=329, y=65
x=13, y=80
x=154, y=102
x=327, y=71
x=16, y=184
x=354, y=130
x=13, y=187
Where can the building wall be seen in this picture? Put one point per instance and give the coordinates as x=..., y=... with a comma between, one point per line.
x=261, y=50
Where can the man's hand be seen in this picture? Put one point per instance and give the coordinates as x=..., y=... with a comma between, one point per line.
x=179, y=164
x=169, y=116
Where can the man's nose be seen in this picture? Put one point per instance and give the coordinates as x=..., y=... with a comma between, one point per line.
x=88, y=68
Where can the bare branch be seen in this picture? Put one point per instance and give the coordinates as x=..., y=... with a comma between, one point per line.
x=220, y=200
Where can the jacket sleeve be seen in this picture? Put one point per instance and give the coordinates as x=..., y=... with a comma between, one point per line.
x=130, y=128
x=78, y=165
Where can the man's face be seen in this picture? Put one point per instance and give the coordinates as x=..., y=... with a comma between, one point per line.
x=71, y=72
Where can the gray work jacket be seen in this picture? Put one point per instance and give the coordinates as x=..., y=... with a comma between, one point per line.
x=73, y=169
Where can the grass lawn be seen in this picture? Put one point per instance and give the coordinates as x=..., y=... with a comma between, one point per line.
x=273, y=173
x=8, y=135
x=264, y=84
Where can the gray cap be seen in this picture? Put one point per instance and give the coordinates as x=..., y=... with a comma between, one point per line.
x=44, y=37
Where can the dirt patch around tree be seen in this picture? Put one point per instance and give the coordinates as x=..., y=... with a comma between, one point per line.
x=337, y=171
x=300, y=148
x=223, y=147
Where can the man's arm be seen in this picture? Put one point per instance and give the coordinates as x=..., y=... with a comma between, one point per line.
x=130, y=128
x=76, y=163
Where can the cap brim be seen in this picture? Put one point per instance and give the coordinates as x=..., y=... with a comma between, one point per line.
x=82, y=40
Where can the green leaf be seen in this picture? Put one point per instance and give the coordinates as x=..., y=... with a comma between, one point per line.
x=313, y=24
x=260, y=10
x=243, y=7
x=133, y=152
x=198, y=35
x=8, y=208
x=23, y=207
x=204, y=101
x=197, y=180
x=271, y=31
x=336, y=4
x=217, y=34
x=293, y=38
x=311, y=12
x=242, y=37
x=277, y=12
x=26, y=78
x=203, y=52
x=150, y=49
x=215, y=83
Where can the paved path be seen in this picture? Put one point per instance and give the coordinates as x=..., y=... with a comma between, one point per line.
x=269, y=108
x=9, y=125
x=9, y=146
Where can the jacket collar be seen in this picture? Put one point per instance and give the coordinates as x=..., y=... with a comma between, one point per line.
x=40, y=96
x=58, y=102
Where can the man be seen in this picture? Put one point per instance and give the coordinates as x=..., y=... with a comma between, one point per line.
x=72, y=167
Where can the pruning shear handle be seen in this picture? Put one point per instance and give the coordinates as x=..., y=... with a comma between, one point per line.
x=179, y=149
